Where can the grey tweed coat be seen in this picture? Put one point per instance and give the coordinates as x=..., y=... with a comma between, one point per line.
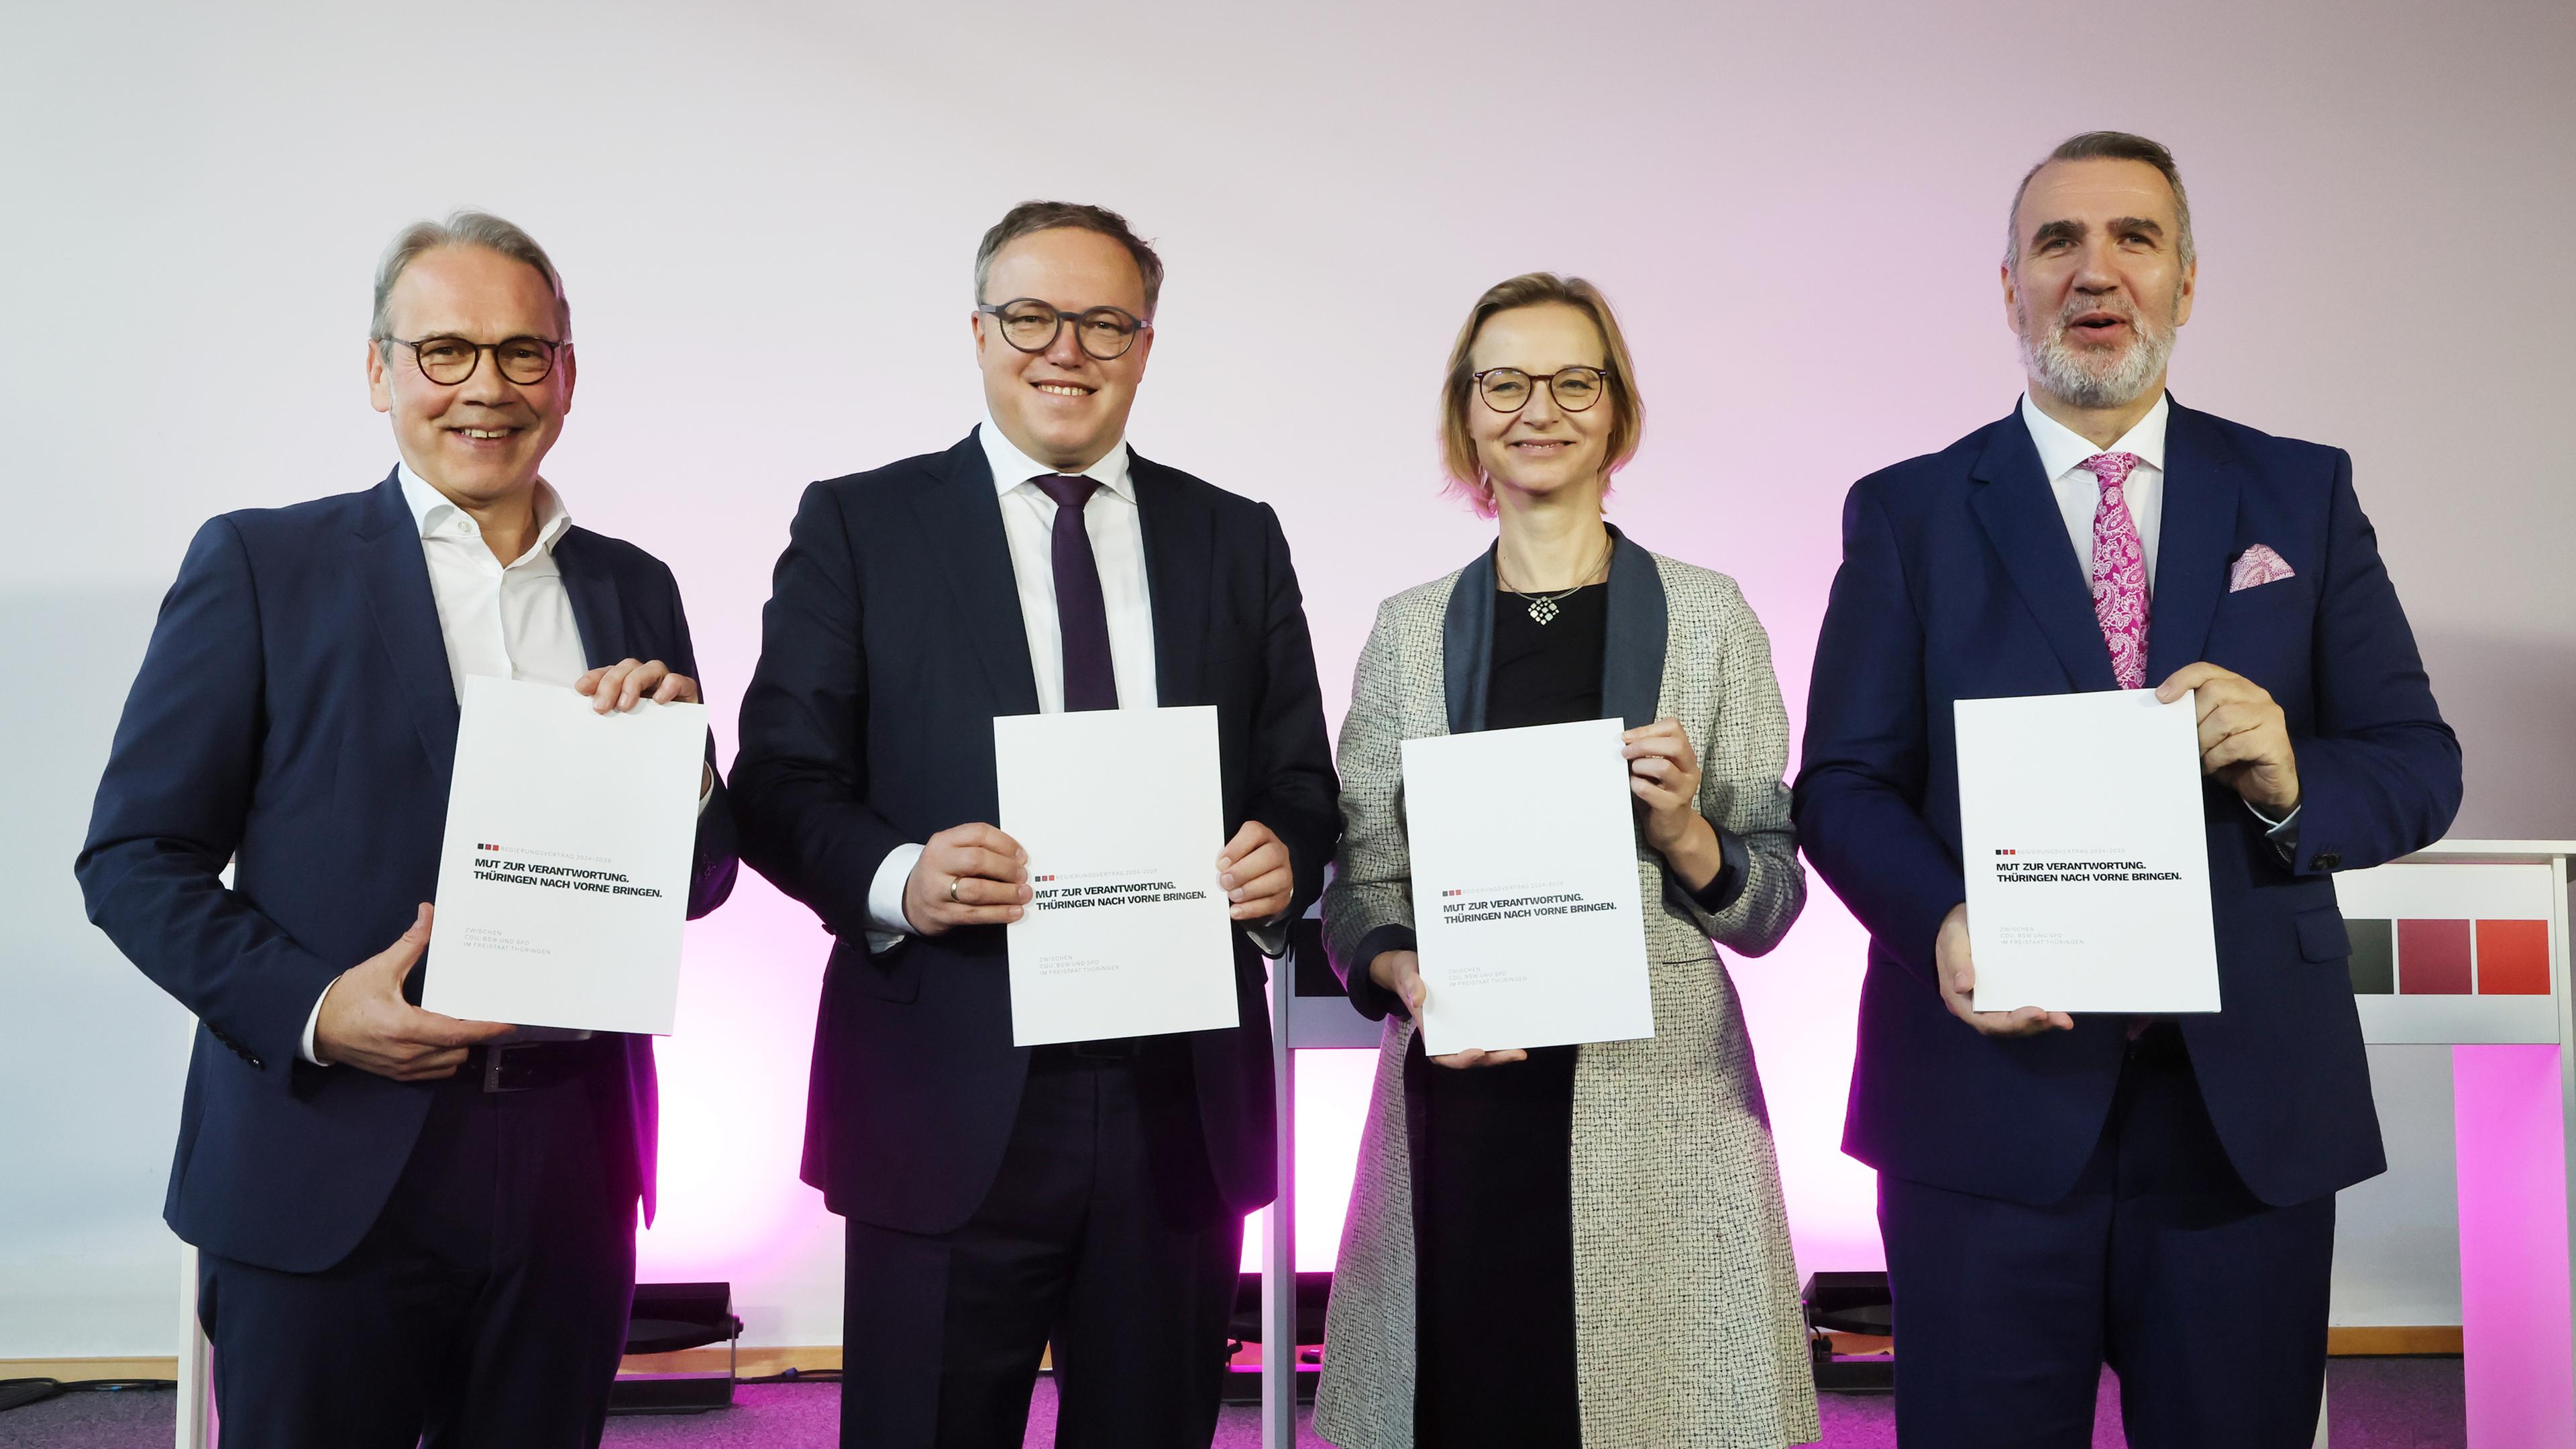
x=1687, y=1327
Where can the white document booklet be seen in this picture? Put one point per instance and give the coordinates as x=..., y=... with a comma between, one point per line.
x=2087, y=854
x=564, y=879
x=1122, y=816
x=1525, y=903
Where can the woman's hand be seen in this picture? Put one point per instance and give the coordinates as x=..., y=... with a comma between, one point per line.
x=1401, y=972
x=1663, y=771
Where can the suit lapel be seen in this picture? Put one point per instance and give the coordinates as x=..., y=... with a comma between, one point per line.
x=1632, y=651
x=596, y=609
x=1467, y=644
x=395, y=577
x=1180, y=541
x=961, y=517
x=2019, y=514
x=2195, y=542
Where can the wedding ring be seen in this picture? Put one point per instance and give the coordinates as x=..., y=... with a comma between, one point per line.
x=952, y=890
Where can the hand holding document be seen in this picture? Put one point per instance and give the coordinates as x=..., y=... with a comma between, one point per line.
x=1525, y=903
x=564, y=878
x=2087, y=853
x=1126, y=933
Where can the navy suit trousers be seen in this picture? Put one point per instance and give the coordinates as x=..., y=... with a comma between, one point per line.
x=485, y=1309
x=2209, y=1304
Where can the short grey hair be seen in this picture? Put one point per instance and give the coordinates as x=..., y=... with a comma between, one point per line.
x=1037, y=216
x=463, y=229
x=2105, y=146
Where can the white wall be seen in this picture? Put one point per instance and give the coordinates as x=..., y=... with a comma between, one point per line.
x=766, y=211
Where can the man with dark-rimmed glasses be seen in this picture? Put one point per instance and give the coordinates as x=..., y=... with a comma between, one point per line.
x=1003, y=1198
x=410, y=1227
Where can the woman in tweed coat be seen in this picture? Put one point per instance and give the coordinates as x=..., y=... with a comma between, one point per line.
x=1570, y=1245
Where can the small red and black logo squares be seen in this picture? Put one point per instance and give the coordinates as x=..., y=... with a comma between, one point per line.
x=1444, y=895
x=1042, y=877
x=2007, y=852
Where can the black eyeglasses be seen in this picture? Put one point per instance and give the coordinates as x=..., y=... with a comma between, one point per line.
x=1032, y=326
x=448, y=361
x=1508, y=389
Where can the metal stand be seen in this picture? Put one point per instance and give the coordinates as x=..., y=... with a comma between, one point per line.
x=1319, y=1017
x=196, y=1362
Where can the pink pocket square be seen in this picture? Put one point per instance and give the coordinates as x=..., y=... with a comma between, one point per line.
x=2257, y=565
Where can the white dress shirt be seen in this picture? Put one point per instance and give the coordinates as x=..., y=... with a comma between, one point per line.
x=511, y=621
x=1028, y=525
x=2062, y=452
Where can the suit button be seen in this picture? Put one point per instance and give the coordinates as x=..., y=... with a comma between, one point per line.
x=2328, y=859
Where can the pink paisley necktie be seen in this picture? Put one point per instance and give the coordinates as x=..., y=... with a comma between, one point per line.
x=2119, y=570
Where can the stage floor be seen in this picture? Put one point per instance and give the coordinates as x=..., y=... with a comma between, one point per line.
x=2377, y=1403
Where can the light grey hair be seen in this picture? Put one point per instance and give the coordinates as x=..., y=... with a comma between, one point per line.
x=1037, y=216
x=2106, y=146
x=463, y=229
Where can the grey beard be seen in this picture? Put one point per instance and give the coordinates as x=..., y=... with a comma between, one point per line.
x=2064, y=371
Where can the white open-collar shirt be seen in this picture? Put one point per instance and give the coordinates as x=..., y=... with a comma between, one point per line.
x=511, y=621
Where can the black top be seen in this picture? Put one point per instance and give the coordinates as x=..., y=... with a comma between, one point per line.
x=1547, y=673
x=1492, y=1176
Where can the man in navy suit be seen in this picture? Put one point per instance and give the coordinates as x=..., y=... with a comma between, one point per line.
x=2058, y=1192
x=408, y=1225
x=1000, y=1197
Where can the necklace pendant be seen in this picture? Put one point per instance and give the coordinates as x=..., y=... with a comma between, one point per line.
x=1543, y=609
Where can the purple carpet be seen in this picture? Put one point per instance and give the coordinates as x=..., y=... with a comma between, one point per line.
x=2376, y=1403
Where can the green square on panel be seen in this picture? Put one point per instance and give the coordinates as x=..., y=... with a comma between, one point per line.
x=2374, y=957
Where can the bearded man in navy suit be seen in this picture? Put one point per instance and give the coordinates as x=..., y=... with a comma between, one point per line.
x=409, y=1226
x=2056, y=1192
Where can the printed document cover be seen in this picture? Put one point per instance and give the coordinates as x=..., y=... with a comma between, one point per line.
x=564, y=879
x=1121, y=814
x=1525, y=888
x=2087, y=853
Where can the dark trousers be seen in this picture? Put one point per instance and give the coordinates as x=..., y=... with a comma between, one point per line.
x=1102, y=1234
x=1493, y=1227
x=486, y=1307
x=2210, y=1304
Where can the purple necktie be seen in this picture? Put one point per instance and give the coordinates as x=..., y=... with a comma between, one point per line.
x=1080, y=614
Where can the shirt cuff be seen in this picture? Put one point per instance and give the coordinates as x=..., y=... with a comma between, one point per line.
x=886, y=924
x=312, y=1024
x=2283, y=833
x=707, y=787
x=1271, y=936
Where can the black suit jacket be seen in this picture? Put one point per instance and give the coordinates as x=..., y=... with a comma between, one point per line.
x=295, y=717
x=892, y=638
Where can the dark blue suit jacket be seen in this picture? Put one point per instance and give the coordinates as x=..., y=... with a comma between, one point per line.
x=1958, y=582
x=295, y=717
x=892, y=638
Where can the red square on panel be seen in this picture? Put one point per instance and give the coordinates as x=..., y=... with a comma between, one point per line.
x=2432, y=958
x=2513, y=958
